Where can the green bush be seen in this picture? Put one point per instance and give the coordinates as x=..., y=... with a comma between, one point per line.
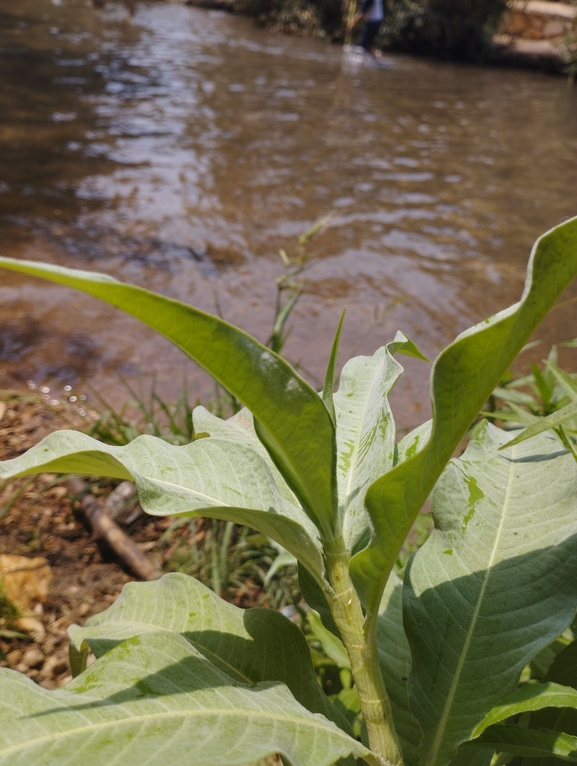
x=313, y=17
x=452, y=29
x=567, y=46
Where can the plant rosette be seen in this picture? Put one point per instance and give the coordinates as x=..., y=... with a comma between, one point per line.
x=438, y=660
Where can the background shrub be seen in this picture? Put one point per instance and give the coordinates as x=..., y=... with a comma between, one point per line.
x=452, y=29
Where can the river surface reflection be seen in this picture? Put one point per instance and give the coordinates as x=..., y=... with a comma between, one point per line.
x=183, y=149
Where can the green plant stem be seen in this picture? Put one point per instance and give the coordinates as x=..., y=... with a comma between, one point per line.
x=360, y=641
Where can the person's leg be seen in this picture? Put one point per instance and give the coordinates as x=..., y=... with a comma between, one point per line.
x=368, y=37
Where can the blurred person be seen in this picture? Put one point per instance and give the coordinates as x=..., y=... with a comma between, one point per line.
x=372, y=15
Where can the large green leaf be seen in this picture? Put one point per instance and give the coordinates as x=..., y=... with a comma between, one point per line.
x=493, y=584
x=226, y=476
x=395, y=664
x=240, y=430
x=156, y=699
x=365, y=445
x=291, y=418
x=526, y=699
x=412, y=442
x=249, y=645
x=365, y=434
x=463, y=377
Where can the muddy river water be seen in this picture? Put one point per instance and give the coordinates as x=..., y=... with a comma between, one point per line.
x=181, y=150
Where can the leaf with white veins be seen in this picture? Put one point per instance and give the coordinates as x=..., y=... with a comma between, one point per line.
x=365, y=430
x=156, y=699
x=493, y=584
x=291, y=418
x=249, y=645
x=217, y=477
x=395, y=664
x=463, y=377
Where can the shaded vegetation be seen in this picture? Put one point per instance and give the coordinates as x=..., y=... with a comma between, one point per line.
x=451, y=29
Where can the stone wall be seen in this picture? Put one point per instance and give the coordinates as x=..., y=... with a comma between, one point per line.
x=539, y=20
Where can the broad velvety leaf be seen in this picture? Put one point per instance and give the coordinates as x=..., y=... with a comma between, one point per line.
x=493, y=584
x=225, y=476
x=156, y=699
x=365, y=444
x=412, y=442
x=240, y=430
x=463, y=377
x=292, y=419
x=365, y=434
x=395, y=664
x=250, y=645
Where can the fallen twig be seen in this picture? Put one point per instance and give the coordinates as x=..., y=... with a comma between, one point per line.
x=104, y=528
x=122, y=504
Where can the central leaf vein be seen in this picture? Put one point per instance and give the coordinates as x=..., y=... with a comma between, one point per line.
x=436, y=745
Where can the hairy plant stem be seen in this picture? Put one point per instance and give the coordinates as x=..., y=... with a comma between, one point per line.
x=360, y=640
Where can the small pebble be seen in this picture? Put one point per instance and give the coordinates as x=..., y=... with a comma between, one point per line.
x=49, y=646
x=54, y=666
x=32, y=658
x=14, y=657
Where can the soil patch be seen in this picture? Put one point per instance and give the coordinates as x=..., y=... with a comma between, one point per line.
x=39, y=518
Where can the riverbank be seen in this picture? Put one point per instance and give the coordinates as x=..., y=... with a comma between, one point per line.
x=182, y=150
x=55, y=570
x=539, y=34
x=39, y=523
x=534, y=34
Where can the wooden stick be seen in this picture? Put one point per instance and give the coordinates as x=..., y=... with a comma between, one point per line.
x=350, y=17
x=122, y=504
x=104, y=528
